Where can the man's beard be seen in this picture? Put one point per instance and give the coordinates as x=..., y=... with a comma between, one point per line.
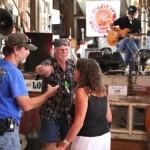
x=23, y=61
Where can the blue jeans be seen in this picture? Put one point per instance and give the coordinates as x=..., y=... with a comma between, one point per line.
x=10, y=140
x=129, y=46
x=49, y=131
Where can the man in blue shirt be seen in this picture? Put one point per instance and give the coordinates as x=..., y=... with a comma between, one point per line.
x=14, y=97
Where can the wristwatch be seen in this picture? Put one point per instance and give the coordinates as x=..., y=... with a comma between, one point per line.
x=65, y=142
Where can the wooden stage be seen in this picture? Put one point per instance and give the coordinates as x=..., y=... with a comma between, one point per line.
x=119, y=144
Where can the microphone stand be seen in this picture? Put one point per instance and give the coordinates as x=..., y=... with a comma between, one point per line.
x=81, y=50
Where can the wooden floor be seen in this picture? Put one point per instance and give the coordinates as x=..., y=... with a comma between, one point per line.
x=128, y=145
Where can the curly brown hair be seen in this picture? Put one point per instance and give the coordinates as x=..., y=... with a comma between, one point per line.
x=91, y=76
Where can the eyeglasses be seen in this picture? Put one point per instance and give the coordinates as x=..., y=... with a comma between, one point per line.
x=25, y=41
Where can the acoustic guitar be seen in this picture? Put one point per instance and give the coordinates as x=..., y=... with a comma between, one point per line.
x=113, y=40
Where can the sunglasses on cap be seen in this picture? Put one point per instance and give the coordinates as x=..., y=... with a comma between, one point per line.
x=25, y=41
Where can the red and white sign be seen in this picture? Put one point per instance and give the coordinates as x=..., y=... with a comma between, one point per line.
x=99, y=14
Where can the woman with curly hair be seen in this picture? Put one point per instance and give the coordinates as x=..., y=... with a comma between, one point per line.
x=91, y=114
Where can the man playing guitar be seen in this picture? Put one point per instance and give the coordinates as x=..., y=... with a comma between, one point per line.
x=127, y=24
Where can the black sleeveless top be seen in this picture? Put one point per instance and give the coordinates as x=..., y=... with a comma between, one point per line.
x=95, y=123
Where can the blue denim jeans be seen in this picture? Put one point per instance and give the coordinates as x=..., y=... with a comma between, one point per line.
x=49, y=131
x=129, y=46
x=10, y=140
